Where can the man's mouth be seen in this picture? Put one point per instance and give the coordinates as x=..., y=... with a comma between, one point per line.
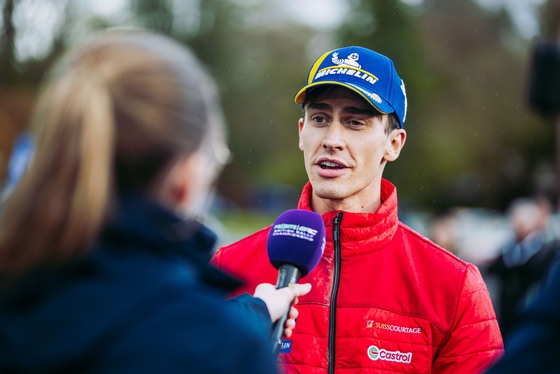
x=330, y=165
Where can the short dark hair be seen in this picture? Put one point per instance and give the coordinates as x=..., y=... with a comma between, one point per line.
x=392, y=123
x=312, y=95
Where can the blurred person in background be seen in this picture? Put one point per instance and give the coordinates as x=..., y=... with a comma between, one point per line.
x=103, y=262
x=533, y=344
x=442, y=231
x=524, y=260
x=385, y=299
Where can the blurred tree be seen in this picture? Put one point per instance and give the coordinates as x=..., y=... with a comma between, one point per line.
x=550, y=15
x=482, y=111
x=154, y=15
x=7, y=46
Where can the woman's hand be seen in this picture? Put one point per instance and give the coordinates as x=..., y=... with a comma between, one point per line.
x=279, y=300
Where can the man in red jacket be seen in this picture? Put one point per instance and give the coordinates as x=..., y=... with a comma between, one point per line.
x=384, y=299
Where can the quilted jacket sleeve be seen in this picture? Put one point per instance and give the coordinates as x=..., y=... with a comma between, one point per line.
x=474, y=341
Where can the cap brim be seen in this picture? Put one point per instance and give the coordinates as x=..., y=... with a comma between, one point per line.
x=374, y=99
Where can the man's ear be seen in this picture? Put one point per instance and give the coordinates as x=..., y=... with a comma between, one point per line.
x=300, y=125
x=396, y=140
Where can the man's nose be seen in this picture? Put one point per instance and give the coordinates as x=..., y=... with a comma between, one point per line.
x=334, y=138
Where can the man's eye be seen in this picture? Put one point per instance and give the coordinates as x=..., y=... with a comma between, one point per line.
x=319, y=120
x=355, y=124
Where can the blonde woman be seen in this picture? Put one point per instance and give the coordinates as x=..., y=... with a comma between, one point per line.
x=99, y=272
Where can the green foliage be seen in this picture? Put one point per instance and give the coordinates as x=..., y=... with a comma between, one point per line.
x=154, y=15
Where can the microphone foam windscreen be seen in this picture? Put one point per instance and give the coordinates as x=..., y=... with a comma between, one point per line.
x=297, y=237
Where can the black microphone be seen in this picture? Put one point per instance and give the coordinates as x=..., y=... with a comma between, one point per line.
x=295, y=245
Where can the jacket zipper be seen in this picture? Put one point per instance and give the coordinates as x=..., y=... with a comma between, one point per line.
x=334, y=293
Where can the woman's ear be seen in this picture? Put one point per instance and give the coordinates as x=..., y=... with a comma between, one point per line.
x=396, y=140
x=174, y=187
x=180, y=180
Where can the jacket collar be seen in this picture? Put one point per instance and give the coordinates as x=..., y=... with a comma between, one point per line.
x=156, y=229
x=362, y=232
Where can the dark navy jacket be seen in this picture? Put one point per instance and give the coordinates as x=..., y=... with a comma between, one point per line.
x=145, y=300
x=534, y=345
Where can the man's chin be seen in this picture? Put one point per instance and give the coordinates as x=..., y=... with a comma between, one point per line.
x=328, y=193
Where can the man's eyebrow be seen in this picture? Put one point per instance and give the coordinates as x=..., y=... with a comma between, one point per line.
x=348, y=109
x=355, y=110
x=318, y=106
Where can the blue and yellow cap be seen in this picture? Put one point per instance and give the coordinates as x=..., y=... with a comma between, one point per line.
x=368, y=73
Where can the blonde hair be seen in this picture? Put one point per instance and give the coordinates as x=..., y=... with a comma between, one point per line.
x=111, y=118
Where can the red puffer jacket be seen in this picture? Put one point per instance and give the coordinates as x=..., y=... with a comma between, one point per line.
x=384, y=299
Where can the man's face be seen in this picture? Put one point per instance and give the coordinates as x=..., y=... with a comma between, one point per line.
x=345, y=149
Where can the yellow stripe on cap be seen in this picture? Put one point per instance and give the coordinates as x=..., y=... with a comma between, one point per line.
x=316, y=65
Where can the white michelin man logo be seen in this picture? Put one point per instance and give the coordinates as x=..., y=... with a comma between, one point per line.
x=351, y=60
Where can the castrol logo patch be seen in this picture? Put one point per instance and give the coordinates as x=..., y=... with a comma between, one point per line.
x=374, y=353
